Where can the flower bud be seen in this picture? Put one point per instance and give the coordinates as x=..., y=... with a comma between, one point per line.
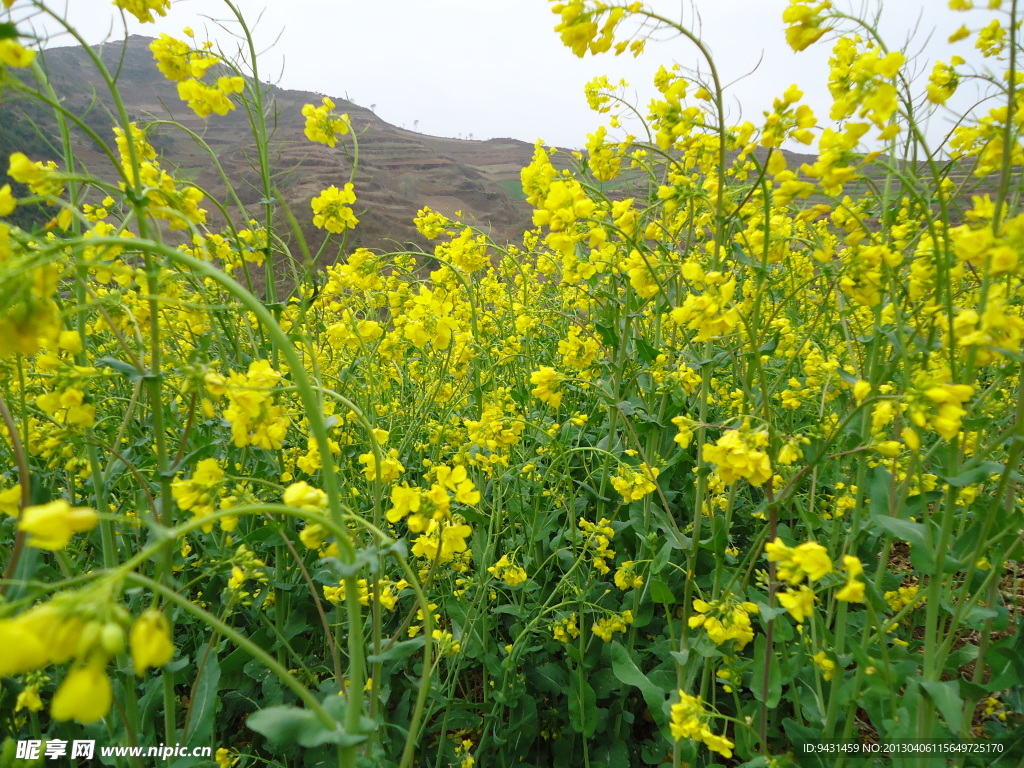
x=88, y=639
x=112, y=638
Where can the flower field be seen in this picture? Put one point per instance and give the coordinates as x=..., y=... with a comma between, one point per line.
x=719, y=464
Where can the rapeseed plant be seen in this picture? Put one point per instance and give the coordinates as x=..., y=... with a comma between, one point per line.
x=515, y=505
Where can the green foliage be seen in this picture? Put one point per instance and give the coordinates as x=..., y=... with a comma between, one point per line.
x=693, y=476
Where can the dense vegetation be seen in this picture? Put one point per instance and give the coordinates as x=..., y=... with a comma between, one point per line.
x=689, y=477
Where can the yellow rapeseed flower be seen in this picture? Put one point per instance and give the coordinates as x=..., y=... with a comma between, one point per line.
x=724, y=620
x=51, y=526
x=13, y=54
x=809, y=559
x=546, y=381
x=689, y=720
x=825, y=664
x=85, y=695
x=7, y=201
x=143, y=10
x=853, y=591
x=738, y=454
x=799, y=602
x=323, y=125
x=804, y=22
x=24, y=646
x=10, y=500
x=331, y=209
x=150, y=639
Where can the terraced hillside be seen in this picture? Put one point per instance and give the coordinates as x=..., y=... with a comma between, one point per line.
x=399, y=171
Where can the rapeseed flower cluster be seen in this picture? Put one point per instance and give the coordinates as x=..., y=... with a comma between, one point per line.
x=42, y=178
x=711, y=312
x=323, y=125
x=607, y=626
x=202, y=492
x=546, y=382
x=633, y=484
x=810, y=560
x=839, y=333
x=180, y=207
x=51, y=526
x=793, y=564
x=725, y=619
x=691, y=720
x=254, y=416
x=427, y=512
x=566, y=630
x=506, y=570
x=143, y=10
x=627, y=577
x=85, y=629
x=862, y=84
x=14, y=54
x=598, y=541
x=591, y=27
x=180, y=62
x=853, y=590
x=804, y=20
x=384, y=592
x=332, y=209
x=429, y=319
x=738, y=454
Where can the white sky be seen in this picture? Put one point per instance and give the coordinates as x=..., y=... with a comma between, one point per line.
x=495, y=68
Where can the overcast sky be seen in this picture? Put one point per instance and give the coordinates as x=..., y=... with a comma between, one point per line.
x=494, y=68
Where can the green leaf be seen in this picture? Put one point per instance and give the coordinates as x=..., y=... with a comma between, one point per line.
x=582, y=707
x=647, y=352
x=203, y=711
x=550, y=678
x=511, y=610
x=120, y=366
x=967, y=543
x=880, y=496
x=1011, y=651
x=660, y=593
x=770, y=346
x=906, y=530
x=976, y=474
x=946, y=697
x=8, y=31
x=292, y=725
x=523, y=720
x=977, y=615
x=719, y=534
x=766, y=612
x=604, y=682
x=661, y=559
x=397, y=651
x=1013, y=749
x=771, y=693
x=618, y=753
x=626, y=670
x=799, y=735
x=608, y=335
